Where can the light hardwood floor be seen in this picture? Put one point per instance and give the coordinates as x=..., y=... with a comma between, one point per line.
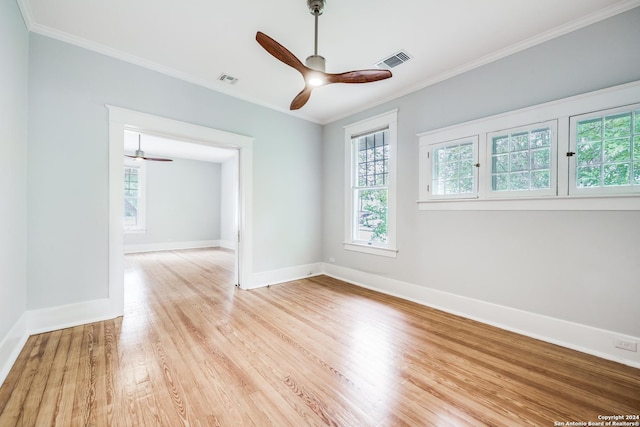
x=194, y=350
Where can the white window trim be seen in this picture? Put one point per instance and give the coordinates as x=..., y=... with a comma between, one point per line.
x=388, y=120
x=142, y=188
x=560, y=110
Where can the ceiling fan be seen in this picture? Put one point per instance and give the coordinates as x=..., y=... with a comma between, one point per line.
x=139, y=156
x=314, y=71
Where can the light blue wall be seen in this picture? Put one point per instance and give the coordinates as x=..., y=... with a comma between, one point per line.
x=182, y=202
x=578, y=266
x=68, y=167
x=13, y=166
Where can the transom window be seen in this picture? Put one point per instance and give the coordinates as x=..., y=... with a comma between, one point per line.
x=454, y=168
x=523, y=159
x=575, y=153
x=607, y=150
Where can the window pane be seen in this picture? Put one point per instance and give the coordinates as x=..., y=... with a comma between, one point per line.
x=519, y=181
x=616, y=150
x=540, y=179
x=501, y=163
x=541, y=159
x=540, y=138
x=589, y=130
x=466, y=151
x=466, y=185
x=466, y=168
x=589, y=153
x=519, y=161
x=588, y=176
x=500, y=182
x=616, y=174
x=501, y=144
x=617, y=125
x=519, y=141
x=451, y=186
x=372, y=216
x=130, y=212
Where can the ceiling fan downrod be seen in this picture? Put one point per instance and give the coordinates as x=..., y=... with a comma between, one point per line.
x=315, y=61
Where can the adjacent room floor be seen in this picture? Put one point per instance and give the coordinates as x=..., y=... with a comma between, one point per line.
x=194, y=350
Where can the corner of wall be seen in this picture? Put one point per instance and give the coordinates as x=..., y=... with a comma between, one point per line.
x=12, y=345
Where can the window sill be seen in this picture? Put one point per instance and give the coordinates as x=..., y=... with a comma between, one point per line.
x=370, y=249
x=574, y=203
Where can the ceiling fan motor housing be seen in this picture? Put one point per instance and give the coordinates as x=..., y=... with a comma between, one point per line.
x=316, y=62
x=316, y=7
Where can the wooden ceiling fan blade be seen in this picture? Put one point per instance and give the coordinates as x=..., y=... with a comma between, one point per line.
x=280, y=52
x=301, y=98
x=359, y=76
x=158, y=159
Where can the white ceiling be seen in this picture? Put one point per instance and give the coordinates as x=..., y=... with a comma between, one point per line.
x=198, y=40
x=159, y=146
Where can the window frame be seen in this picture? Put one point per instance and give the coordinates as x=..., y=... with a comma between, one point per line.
x=352, y=131
x=561, y=110
x=141, y=221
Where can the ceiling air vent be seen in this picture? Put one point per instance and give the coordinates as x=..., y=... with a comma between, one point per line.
x=394, y=60
x=226, y=78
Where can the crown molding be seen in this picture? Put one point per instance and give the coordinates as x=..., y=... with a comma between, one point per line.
x=27, y=14
x=566, y=28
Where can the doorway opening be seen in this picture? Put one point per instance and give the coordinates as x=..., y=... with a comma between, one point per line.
x=179, y=195
x=121, y=120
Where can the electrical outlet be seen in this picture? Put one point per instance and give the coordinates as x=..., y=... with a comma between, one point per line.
x=332, y=259
x=626, y=345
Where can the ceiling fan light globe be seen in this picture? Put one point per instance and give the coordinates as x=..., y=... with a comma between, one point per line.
x=315, y=80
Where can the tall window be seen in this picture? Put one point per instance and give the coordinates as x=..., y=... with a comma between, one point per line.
x=134, y=202
x=371, y=185
x=371, y=192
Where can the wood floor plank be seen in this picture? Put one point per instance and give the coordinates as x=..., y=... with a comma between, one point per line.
x=194, y=350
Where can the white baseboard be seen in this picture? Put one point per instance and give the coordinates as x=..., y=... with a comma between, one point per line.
x=583, y=338
x=272, y=277
x=228, y=244
x=46, y=320
x=11, y=346
x=170, y=246
x=67, y=316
